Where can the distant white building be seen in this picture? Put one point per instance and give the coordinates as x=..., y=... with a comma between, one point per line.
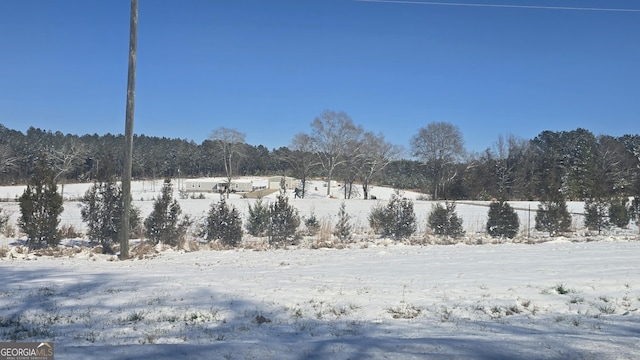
x=289, y=182
x=201, y=185
x=217, y=185
x=241, y=185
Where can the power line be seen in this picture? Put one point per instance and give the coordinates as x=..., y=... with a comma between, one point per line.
x=539, y=7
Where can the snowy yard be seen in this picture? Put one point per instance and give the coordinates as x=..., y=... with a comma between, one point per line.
x=376, y=299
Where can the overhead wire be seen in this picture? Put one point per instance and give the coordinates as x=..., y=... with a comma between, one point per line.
x=539, y=7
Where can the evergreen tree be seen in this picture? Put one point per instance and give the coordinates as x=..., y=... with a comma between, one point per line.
x=312, y=224
x=343, y=227
x=283, y=219
x=224, y=224
x=596, y=214
x=403, y=218
x=579, y=148
x=258, y=221
x=102, y=210
x=41, y=207
x=634, y=209
x=378, y=218
x=503, y=220
x=444, y=220
x=397, y=219
x=553, y=216
x=619, y=212
x=164, y=224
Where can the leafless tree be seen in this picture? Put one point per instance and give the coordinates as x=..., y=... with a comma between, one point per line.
x=332, y=132
x=350, y=167
x=376, y=155
x=66, y=159
x=505, y=166
x=7, y=159
x=612, y=173
x=439, y=145
x=301, y=158
x=230, y=142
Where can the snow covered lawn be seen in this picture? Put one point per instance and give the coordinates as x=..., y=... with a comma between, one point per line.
x=556, y=300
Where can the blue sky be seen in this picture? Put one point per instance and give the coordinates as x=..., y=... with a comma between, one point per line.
x=268, y=67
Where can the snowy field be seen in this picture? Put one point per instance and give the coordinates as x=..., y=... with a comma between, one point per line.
x=563, y=298
x=474, y=213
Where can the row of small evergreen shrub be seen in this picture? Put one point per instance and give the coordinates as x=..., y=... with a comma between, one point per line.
x=41, y=207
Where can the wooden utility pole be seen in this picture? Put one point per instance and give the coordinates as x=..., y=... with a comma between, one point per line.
x=128, y=132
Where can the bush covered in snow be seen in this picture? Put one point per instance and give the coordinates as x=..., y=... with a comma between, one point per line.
x=224, y=224
x=258, y=220
x=343, y=227
x=397, y=219
x=503, y=220
x=283, y=219
x=444, y=220
x=596, y=214
x=312, y=224
x=102, y=209
x=553, y=217
x=619, y=212
x=164, y=224
x=41, y=207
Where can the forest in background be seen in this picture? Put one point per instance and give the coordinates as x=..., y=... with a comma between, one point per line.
x=575, y=165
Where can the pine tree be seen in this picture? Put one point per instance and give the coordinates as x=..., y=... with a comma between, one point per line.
x=224, y=224
x=102, y=211
x=41, y=207
x=164, y=224
x=312, y=224
x=396, y=220
x=403, y=218
x=283, y=219
x=258, y=221
x=596, y=215
x=378, y=218
x=444, y=220
x=343, y=227
x=619, y=212
x=503, y=220
x=552, y=216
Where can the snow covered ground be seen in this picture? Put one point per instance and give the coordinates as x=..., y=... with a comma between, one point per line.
x=566, y=298
x=474, y=213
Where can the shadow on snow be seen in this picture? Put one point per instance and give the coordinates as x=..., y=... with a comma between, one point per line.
x=121, y=315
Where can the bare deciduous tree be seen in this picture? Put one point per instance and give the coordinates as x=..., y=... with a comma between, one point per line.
x=7, y=160
x=377, y=154
x=612, y=171
x=230, y=143
x=505, y=167
x=67, y=158
x=332, y=132
x=350, y=167
x=439, y=145
x=302, y=159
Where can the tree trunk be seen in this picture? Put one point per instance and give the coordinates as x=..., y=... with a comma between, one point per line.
x=365, y=189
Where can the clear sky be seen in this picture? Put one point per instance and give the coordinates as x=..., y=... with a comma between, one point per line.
x=268, y=67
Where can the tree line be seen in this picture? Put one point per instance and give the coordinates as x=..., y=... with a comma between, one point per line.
x=572, y=165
